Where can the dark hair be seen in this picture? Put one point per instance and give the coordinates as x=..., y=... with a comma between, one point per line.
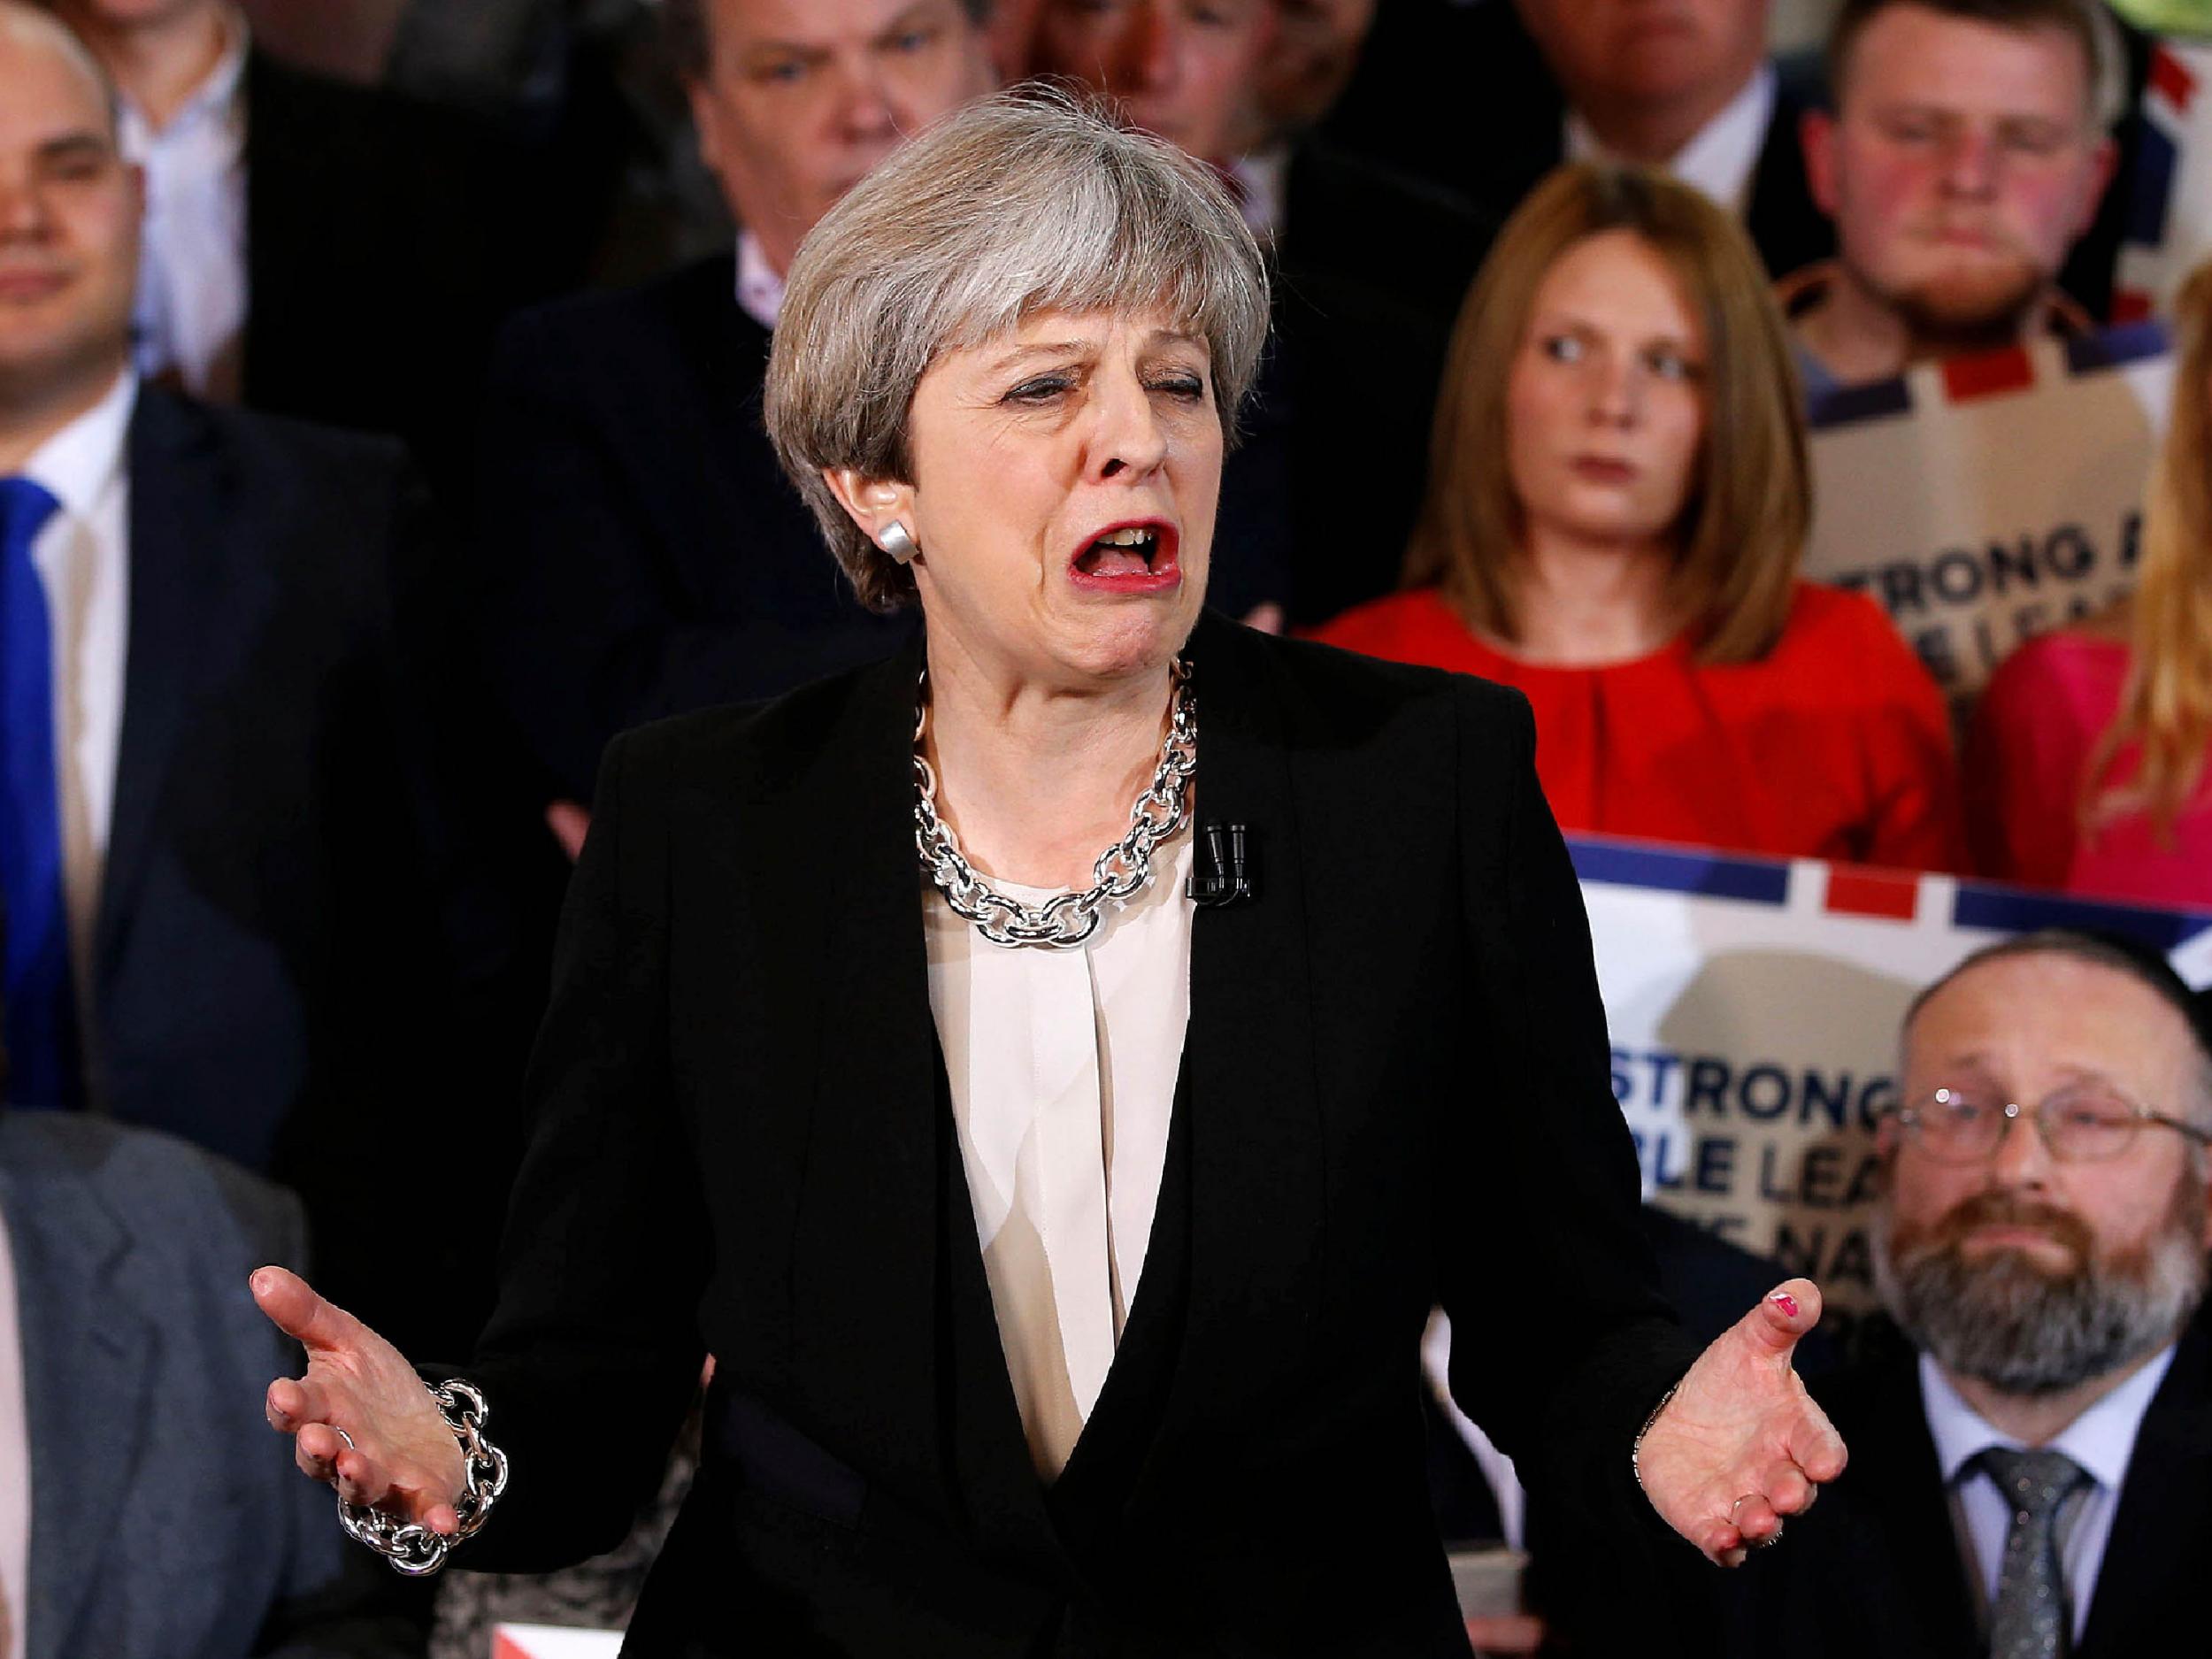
x=2081, y=20
x=2117, y=951
x=690, y=45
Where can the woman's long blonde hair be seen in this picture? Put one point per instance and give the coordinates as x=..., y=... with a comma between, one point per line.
x=1743, y=527
x=2166, y=706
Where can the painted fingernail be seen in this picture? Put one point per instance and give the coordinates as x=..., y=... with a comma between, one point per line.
x=1786, y=1303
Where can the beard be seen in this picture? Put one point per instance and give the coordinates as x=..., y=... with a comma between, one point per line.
x=2004, y=1318
x=1977, y=309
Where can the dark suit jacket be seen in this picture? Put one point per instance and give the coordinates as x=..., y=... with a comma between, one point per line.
x=643, y=554
x=1461, y=96
x=1346, y=216
x=384, y=240
x=1874, y=1567
x=166, y=1521
x=1661, y=1597
x=290, y=957
x=743, y=1146
x=1318, y=500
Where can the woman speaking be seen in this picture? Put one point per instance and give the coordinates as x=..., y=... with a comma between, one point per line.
x=1054, y=1072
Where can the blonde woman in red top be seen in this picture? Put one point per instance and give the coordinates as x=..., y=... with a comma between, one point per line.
x=2087, y=758
x=1618, y=497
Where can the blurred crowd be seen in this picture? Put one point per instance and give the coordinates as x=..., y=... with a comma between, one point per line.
x=371, y=454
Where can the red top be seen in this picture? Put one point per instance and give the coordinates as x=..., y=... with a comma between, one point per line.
x=1833, y=745
x=2037, y=726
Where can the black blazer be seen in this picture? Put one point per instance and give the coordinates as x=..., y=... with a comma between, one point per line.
x=1874, y=1567
x=288, y=949
x=1395, y=1092
x=642, y=553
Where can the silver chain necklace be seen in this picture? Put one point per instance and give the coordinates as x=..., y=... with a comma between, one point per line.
x=1066, y=919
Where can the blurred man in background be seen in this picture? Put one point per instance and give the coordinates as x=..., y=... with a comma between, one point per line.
x=234, y=911
x=643, y=552
x=1967, y=153
x=313, y=248
x=2032, y=1449
x=1488, y=99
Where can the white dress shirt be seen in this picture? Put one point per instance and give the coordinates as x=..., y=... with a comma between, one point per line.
x=15, y=1464
x=2101, y=1440
x=192, y=279
x=82, y=556
x=1497, y=1469
x=1062, y=1066
x=1720, y=157
x=759, y=285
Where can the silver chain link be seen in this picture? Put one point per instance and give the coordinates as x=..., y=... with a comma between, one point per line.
x=1066, y=919
x=416, y=1550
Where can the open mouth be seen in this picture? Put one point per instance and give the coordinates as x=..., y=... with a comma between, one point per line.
x=1132, y=557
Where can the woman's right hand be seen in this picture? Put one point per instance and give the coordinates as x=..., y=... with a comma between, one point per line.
x=402, y=1458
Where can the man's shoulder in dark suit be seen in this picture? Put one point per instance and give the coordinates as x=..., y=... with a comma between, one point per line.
x=286, y=933
x=1876, y=1566
x=1347, y=216
x=681, y=333
x=641, y=552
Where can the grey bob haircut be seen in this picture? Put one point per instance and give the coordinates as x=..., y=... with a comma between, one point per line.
x=1025, y=201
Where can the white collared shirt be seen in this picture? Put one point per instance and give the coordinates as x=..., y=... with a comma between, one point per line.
x=2101, y=1441
x=82, y=555
x=192, y=272
x=1062, y=1066
x=15, y=1463
x=759, y=285
x=1498, y=1471
x=1720, y=157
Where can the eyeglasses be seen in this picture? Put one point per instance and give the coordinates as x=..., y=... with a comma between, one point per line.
x=2082, y=1124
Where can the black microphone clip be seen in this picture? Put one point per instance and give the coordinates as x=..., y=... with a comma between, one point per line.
x=1226, y=867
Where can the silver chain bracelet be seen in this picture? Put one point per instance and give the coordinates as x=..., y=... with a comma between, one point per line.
x=413, y=1549
x=1636, y=1446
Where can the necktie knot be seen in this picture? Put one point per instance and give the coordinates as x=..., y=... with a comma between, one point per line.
x=2035, y=1484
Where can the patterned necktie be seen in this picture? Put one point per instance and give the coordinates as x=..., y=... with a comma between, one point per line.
x=41, y=1001
x=2032, y=1620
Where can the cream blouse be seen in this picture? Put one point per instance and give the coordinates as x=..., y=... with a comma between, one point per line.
x=1062, y=1066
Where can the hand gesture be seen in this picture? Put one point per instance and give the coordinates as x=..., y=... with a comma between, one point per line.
x=1741, y=1445
x=361, y=1419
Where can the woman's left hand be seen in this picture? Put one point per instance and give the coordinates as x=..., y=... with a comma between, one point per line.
x=1741, y=1445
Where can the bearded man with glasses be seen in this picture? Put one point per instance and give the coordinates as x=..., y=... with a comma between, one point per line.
x=2031, y=1443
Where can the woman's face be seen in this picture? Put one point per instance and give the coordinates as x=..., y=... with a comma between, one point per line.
x=1029, y=451
x=1605, y=399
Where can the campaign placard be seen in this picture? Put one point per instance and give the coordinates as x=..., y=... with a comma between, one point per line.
x=1754, y=1005
x=1986, y=498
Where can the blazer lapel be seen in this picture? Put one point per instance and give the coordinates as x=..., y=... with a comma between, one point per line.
x=839, y=890
x=1256, y=1192
x=2148, y=1575
x=1904, y=1490
x=84, y=1370
x=176, y=531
